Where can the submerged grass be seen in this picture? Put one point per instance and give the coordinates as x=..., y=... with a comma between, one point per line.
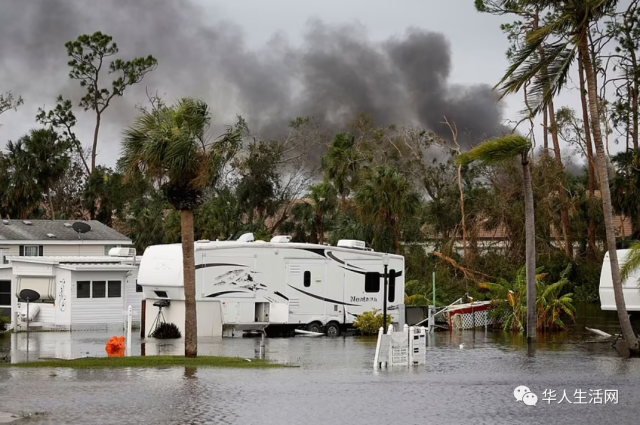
x=150, y=362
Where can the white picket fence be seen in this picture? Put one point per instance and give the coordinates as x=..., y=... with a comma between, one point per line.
x=404, y=348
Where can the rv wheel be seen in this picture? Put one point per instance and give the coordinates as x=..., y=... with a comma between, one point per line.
x=315, y=327
x=333, y=329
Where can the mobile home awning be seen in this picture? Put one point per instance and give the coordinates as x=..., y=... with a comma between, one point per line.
x=97, y=267
x=45, y=286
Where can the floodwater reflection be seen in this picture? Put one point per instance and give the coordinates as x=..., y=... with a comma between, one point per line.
x=468, y=377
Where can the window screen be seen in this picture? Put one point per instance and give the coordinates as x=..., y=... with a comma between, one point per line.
x=392, y=286
x=307, y=279
x=83, y=289
x=99, y=289
x=372, y=282
x=114, y=289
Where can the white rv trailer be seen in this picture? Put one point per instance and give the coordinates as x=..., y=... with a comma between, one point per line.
x=630, y=288
x=280, y=286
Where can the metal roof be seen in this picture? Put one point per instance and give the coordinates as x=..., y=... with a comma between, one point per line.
x=61, y=230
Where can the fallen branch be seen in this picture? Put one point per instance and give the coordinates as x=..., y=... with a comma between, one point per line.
x=468, y=273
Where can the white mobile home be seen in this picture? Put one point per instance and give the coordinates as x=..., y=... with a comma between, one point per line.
x=76, y=293
x=630, y=288
x=40, y=238
x=246, y=285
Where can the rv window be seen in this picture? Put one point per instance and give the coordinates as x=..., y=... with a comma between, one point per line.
x=5, y=292
x=161, y=294
x=83, y=289
x=138, y=287
x=392, y=286
x=99, y=289
x=114, y=289
x=372, y=282
x=307, y=279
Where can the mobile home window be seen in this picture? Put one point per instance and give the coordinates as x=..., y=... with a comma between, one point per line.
x=5, y=292
x=114, y=289
x=392, y=286
x=83, y=289
x=99, y=289
x=372, y=282
x=307, y=279
x=31, y=250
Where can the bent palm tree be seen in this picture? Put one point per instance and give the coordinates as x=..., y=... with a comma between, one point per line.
x=571, y=20
x=171, y=144
x=500, y=150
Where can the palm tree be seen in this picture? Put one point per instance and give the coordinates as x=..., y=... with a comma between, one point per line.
x=385, y=199
x=171, y=144
x=568, y=29
x=341, y=165
x=496, y=151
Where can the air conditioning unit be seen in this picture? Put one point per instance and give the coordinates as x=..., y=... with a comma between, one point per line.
x=247, y=237
x=353, y=244
x=122, y=252
x=281, y=239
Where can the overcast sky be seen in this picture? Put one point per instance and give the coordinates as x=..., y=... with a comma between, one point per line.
x=231, y=52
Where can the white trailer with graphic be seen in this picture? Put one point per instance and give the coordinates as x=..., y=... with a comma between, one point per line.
x=278, y=286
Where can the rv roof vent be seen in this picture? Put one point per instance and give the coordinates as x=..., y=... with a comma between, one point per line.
x=281, y=239
x=51, y=235
x=5, y=222
x=27, y=222
x=122, y=252
x=350, y=243
x=67, y=224
x=247, y=237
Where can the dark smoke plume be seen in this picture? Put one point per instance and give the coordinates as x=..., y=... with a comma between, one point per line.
x=333, y=74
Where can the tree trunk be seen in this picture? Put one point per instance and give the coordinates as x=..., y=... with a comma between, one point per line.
x=564, y=210
x=94, y=152
x=530, y=229
x=464, y=222
x=591, y=230
x=545, y=131
x=53, y=214
x=623, y=316
x=189, y=276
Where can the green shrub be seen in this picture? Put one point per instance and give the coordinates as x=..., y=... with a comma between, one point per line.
x=370, y=322
x=166, y=331
x=4, y=321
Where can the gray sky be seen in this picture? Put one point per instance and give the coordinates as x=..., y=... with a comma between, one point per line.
x=246, y=57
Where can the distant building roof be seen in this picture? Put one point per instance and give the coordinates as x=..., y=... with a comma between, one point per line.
x=57, y=230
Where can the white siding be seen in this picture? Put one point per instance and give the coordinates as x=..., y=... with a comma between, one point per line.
x=73, y=250
x=133, y=298
x=97, y=313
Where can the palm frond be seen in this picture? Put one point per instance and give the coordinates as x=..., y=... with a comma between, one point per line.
x=497, y=150
x=632, y=263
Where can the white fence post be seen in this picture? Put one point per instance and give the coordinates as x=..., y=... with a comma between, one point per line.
x=376, y=365
x=128, y=340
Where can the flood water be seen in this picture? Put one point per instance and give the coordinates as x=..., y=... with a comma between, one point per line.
x=335, y=383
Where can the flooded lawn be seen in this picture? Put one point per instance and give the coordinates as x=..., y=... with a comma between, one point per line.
x=335, y=383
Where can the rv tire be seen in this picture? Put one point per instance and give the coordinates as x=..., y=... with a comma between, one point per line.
x=315, y=327
x=332, y=329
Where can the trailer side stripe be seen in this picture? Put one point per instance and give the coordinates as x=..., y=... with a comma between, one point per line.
x=217, y=294
x=203, y=265
x=324, y=299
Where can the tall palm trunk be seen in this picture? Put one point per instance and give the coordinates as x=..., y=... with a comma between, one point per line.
x=553, y=128
x=53, y=214
x=189, y=276
x=530, y=263
x=623, y=316
x=591, y=230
